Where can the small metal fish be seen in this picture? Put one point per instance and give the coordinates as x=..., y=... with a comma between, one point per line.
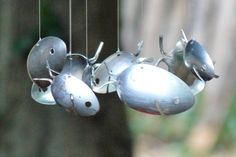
x=110, y=68
x=175, y=64
x=51, y=49
x=196, y=57
x=153, y=90
x=74, y=95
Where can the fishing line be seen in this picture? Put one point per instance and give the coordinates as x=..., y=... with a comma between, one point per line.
x=86, y=28
x=39, y=12
x=70, y=28
x=118, y=25
x=70, y=35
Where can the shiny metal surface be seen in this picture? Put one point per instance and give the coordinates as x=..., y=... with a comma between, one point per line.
x=80, y=66
x=175, y=63
x=97, y=53
x=75, y=65
x=42, y=96
x=74, y=95
x=197, y=86
x=195, y=56
x=109, y=69
x=51, y=49
x=153, y=90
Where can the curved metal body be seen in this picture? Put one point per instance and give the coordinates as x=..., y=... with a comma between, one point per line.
x=42, y=96
x=176, y=65
x=78, y=66
x=49, y=49
x=75, y=65
x=153, y=90
x=195, y=56
x=74, y=95
x=109, y=69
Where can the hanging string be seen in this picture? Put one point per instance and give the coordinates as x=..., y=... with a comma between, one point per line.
x=142, y=15
x=39, y=9
x=118, y=25
x=142, y=10
x=70, y=36
x=70, y=28
x=86, y=27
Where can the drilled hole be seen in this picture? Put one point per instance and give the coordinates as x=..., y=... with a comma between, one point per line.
x=118, y=55
x=97, y=80
x=52, y=51
x=88, y=104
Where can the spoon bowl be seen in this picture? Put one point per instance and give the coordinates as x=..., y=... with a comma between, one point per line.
x=49, y=49
x=42, y=96
x=153, y=90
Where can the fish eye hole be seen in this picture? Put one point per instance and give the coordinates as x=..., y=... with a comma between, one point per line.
x=52, y=51
x=97, y=80
x=88, y=104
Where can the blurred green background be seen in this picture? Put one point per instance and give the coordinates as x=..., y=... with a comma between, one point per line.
x=30, y=129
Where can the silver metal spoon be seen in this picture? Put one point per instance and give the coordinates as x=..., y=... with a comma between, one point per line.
x=74, y=95
x=175, y=63
x=42, y=96
x=196, y=56
x=110, y=68
x=51, y=49
x=153, y=90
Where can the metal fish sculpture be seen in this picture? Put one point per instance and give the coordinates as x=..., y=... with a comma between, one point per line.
x=153, y=90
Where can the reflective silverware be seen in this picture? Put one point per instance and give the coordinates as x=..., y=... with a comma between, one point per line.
x=196, y=57
x=74, y=95
x=42, y=96
x=51, y=49
x=153, y=90
x=110, y=68
x=176, y=65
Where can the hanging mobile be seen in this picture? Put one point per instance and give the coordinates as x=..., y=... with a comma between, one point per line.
x=50, y=48
x=150, y=89
x=68, y=89
x=105, y=74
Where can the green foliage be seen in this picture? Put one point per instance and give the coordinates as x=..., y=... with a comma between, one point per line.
x=227, y=136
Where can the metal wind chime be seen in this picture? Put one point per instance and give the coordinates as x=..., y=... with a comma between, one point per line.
x=71, y=79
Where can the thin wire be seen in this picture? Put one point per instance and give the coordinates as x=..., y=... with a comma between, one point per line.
x=142, y=10
x=70, y=28
x=118, y=25
x=86, y=28
x=70, y=35
x=39, y=9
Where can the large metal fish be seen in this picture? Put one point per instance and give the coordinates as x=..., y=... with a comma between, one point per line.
x=153, y=90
